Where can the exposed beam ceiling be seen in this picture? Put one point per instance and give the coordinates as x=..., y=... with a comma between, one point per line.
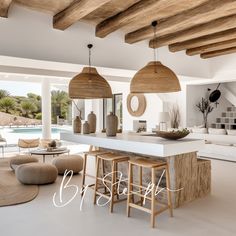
x=211, y=10
x=142, y=13
x=214, y=26
x=116, y=22
x=218, y=53
x=211, y=47
x=4, y=6
x=199, y=26
x=205, y=40
x=74, y=12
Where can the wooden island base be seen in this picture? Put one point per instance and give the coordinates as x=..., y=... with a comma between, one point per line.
x=187, y=172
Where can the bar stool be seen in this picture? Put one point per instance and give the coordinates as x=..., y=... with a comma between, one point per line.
x=153, y=166
x=114, y=160
x=92, y=153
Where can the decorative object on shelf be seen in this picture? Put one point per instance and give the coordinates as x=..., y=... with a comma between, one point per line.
x=52, y=144
x=111, y=124
x=77, y=125
x=139, y=126
x=86, y=128
x=92, y=119
x=79, y=110
x=155, y=77
x=204, y=106
x=89, y=84
x=174, y=134
x=174, y=116
x=215, y=95
x=163, y=118
x=136, y=104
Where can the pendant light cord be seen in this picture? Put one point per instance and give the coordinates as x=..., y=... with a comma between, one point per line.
x=154, y=25
x=89, y=47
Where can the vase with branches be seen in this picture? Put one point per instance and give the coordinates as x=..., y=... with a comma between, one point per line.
x=174, y=116
x=204, y=106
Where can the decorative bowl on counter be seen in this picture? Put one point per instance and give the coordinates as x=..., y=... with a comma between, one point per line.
x=174, y=134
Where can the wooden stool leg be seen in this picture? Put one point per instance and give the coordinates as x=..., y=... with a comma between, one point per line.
x=168, y=190
x=103, y=174
x=84, y=173
x=96, y=180
x=129, y=189
x=112, y=186
x=141, y=183
x=116, y=179
x=153, y=200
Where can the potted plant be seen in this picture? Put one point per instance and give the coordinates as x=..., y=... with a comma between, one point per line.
x=205, y=108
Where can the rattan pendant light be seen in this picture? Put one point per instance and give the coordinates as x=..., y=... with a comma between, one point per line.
x=155, y=77
x=89, y=84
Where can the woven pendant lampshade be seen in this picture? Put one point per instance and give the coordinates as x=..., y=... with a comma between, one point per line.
x=155, y=78
x=89, y=84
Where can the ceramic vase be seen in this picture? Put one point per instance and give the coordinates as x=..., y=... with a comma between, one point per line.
x=86, y=128
x=111, y=124
x=77, y=125
x=92, y=119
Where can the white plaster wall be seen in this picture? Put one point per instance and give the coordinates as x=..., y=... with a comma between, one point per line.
x=194, y=93
x=154, y=105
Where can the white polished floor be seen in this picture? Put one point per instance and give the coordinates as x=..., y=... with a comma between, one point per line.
x=214, y=215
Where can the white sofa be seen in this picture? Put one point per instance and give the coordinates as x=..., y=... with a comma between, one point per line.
x=218, y=145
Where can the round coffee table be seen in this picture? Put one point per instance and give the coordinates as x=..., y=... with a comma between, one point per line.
x=44, y=152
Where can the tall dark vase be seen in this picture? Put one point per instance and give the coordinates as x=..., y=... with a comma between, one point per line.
x=92, y=119
x=111, y=124
x=77, y=125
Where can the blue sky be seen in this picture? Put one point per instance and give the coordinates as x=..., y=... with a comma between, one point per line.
x=20, y=88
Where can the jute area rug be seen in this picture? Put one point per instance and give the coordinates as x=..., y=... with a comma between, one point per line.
x=12, y=192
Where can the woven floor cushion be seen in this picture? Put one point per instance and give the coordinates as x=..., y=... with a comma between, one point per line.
x=21, y=159
x=36, y=173
x=68, y=162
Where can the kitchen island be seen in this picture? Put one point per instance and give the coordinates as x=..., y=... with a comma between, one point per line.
x=187, y=172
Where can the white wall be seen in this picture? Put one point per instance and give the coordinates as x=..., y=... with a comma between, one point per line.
x=194, y=93
x=155, y=103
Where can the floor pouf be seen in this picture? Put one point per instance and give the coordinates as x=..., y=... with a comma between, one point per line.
x=68, y=162
x=21, y=159
x=36, y=173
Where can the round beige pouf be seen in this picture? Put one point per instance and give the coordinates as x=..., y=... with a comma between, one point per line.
x=68, y=162
x=36, y=173
x=21, y=159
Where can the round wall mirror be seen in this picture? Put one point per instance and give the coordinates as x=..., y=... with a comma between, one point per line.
x=136, y=104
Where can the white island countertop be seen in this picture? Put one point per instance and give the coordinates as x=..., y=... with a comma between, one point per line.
x=137, y=143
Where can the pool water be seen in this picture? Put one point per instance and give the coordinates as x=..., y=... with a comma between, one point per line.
x=35, y=130
x=12, y=135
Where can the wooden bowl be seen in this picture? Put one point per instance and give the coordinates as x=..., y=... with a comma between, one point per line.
x=171, y=135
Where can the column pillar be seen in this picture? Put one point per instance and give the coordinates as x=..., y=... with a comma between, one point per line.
x=46, y=108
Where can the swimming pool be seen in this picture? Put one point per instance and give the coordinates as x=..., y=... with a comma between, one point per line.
x=36, y=130
x=13, y=134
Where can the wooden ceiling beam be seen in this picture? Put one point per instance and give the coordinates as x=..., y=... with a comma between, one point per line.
x=76, y=11
x=4, y=7
x=210, y=10
x=212, y=27
x=211, y=47
x=218, y=53
x=205, y=40
x=143, y=13
x=125, y=17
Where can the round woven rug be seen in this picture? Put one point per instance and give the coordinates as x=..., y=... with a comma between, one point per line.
x=12, y=192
